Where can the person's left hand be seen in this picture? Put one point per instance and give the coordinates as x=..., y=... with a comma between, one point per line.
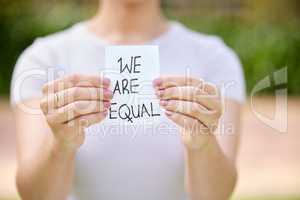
x=192, y=104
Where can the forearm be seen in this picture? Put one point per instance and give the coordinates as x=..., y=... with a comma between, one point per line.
x=48, y=175
x=209, y=173
x=46, y=161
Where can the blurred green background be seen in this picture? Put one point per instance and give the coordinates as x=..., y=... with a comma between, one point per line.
x=264, y=33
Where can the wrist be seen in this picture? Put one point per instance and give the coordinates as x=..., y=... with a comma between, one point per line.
x=62, y=150
x=206, y=144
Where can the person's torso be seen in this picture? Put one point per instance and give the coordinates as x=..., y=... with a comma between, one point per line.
x=132, y=162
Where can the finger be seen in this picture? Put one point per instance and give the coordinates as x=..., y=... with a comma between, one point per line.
x=191, y=109
x=70, y=95
x=44, y=105
x=76, y=109
x=187, y=123
x=211, y=102
x=176, y=81
x=191, y=129
x=210, y=89
x=76, y=80
x=89, y=119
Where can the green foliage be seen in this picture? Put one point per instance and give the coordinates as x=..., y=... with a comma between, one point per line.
x=263, y=47
x=21, y=23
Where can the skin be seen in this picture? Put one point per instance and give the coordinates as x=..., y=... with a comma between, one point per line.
x=47, y=142
x=196, y=107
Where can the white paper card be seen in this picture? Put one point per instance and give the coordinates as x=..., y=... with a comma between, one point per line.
x=132, y=70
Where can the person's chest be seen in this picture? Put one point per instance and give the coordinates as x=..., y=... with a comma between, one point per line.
x=150, y=154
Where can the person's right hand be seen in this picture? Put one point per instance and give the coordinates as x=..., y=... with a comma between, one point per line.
x=72, y=103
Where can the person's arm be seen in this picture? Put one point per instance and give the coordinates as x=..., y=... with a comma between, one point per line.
x=210, y=158
x=47, y=142
x=44, y=168
x=211, y=171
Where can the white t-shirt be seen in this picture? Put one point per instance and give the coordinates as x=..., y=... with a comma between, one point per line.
x=124, y=162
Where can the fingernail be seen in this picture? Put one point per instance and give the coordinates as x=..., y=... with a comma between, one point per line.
x=159, y=93
x=163, y=102
x=108, y=94
x=157, y=82
x=106, y=81
x=106, y=104
x=168, y=113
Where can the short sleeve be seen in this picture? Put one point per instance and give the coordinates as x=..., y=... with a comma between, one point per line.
x=227, y=73
x=32, y=71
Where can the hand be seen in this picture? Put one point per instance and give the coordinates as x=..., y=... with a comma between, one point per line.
x=193, y=105
x=72, y=103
